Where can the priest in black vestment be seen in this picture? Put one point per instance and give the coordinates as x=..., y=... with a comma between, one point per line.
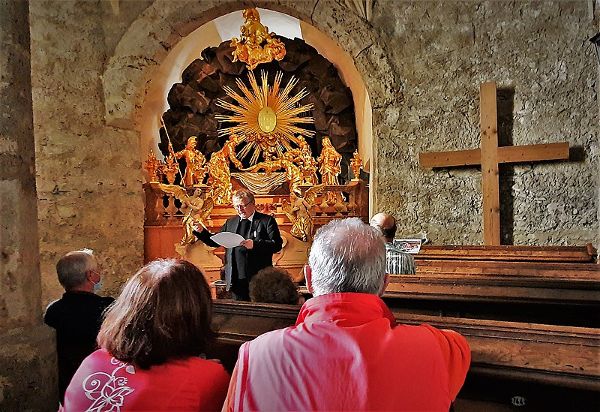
x=262, y=240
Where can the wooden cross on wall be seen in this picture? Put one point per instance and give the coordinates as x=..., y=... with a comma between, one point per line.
x=489, y=157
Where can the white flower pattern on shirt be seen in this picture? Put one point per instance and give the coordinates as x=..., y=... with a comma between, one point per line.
x=108, y=391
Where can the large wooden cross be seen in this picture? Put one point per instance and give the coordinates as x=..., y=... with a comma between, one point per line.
x=489, y=157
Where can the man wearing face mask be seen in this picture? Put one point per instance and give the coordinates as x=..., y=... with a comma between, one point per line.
x=76, y=316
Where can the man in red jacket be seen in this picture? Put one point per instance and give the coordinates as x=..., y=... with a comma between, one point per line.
x=346, y=351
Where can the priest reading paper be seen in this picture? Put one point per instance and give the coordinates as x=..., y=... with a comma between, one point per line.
x=251, y=239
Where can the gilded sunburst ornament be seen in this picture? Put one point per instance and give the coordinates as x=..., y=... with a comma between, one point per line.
x=267, y=118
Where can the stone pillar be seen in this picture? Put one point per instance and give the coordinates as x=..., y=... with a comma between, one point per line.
x=27, y=349
x=597, y=18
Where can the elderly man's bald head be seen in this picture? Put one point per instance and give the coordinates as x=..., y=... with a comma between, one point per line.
x=386, y=223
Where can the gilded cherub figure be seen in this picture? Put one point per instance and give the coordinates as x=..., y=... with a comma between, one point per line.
x=250, y=48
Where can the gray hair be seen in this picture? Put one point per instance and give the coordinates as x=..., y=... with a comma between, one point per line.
x=243, y=195
x=347, y=256
x=72, y=268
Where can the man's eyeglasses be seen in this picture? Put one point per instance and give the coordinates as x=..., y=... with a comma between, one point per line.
x=241, y=205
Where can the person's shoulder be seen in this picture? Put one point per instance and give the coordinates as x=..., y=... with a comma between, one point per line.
x=54, y=304
x=231, y=220
x=52, y=311
x=269, y=339
x=427, y=333
x=390, y=247
x=416, y=333
x=100, y=300
x=264, y=216
x=97, y=358
x=212, y=365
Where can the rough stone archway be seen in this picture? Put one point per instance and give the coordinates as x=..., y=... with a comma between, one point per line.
x=151, y=37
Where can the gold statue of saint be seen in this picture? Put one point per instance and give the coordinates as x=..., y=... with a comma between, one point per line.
x=356, y=165
x=153, y=167
x=329, y=163
x=309, y=166
x=302, y=157
x=250, y=48
x=330, y=168
x=194, y=163
x=293, y=174
x=219, y=173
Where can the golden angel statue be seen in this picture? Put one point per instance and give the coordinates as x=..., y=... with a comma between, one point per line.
x=309, y=166
x=293, y=174
x=198, y=209
x=298, y=211
x=194, y=163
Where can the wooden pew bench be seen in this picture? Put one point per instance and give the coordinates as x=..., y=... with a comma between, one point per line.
x=544, y=366
x=542, y=285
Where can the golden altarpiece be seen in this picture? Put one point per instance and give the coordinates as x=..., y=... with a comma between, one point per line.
x=266, y=150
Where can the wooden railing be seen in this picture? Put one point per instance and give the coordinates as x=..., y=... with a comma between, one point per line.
x=165, y=210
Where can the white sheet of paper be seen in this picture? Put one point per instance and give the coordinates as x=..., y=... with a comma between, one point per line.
x=227, y=239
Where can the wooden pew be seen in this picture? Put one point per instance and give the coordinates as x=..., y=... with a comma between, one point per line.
x=531, y=316
x=542, y=285
x=543, y=366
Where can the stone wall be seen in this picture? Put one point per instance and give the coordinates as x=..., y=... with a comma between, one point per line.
x=422, y=62
x=27, y=358
x=538, y=54
x=88, y=174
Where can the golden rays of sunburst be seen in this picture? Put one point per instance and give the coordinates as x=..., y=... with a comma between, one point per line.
x=267, y=118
